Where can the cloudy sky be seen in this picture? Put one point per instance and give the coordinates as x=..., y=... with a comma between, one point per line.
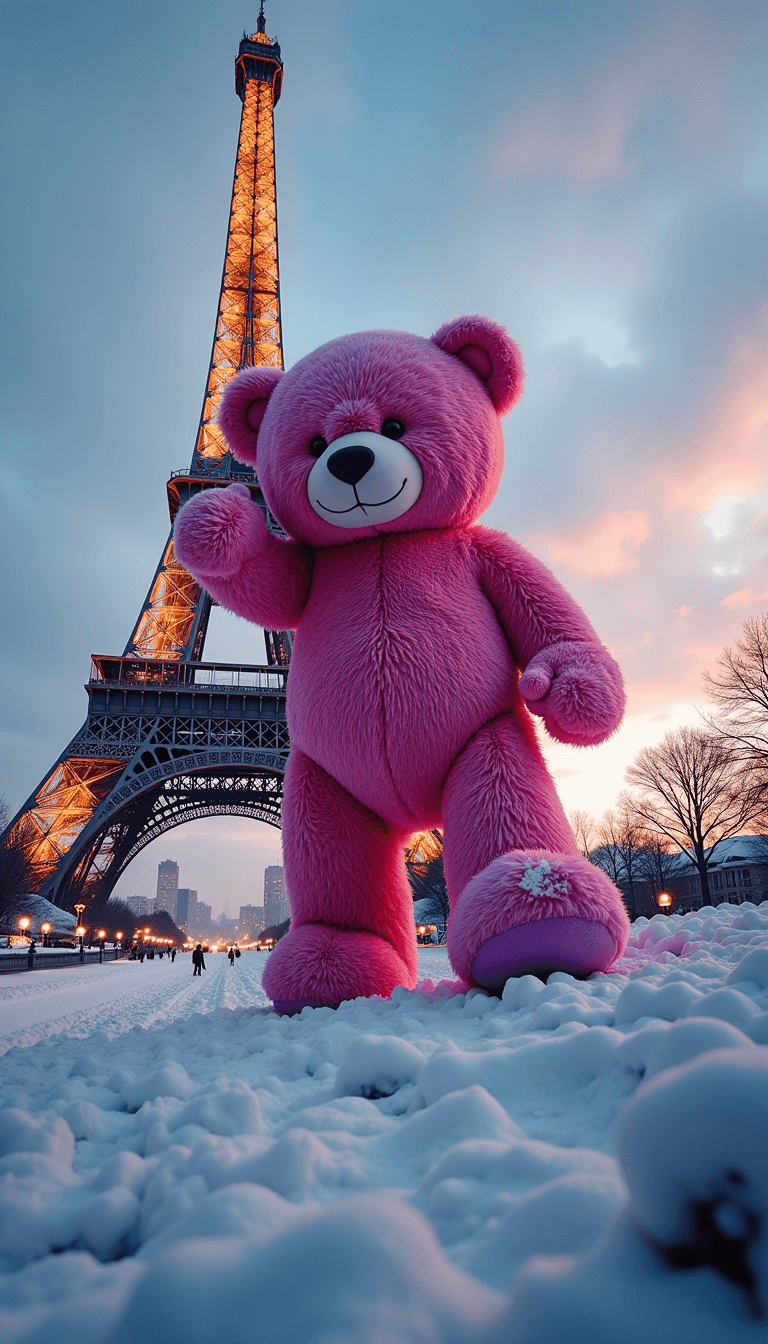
x=593, y=175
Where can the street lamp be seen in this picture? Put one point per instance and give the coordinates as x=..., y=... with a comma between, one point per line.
x=665, y=902
x=45, y=929
x=24, y=923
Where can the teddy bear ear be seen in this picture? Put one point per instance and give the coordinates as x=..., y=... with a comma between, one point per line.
x=489, y=352
x=242, y=409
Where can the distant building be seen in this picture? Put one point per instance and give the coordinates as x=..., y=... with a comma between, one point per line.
x=251, y=921
x=738, y=872
x=276, y=907
x=186, y=908
x=203, y=919
x=140, y=906
x=226, y=928
x=167, y=886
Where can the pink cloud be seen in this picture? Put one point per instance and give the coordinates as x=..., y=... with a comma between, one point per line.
x=744, y=598
x=580, y=128
x=727, y=452
x=587, y=147
x=680, y=618
x=604, y=548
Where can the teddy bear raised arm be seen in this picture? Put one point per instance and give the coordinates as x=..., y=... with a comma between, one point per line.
x=423, y=640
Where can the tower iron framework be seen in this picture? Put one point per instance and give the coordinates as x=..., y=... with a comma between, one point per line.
x=170, y=738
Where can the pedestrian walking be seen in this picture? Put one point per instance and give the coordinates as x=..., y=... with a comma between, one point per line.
x=173, y=954
x=231, y=955
x=198, y=960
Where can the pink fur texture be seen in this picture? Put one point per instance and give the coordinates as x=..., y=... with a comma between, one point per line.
x=242, y=410
x=219, y=538
x=486, y=348
x=319, y=964
x=406, y=708
x=528, y=885
x=577, y=691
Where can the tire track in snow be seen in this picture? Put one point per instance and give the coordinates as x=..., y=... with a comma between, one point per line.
x=144, y=1004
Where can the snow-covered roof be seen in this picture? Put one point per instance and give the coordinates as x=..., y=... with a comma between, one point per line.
x=425, y=911
x=40, y=912
x=740, y=849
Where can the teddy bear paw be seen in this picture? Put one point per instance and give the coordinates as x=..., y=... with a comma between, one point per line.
x=318, y=965
x=532, y=912
x=576, y=688
x=218, y=530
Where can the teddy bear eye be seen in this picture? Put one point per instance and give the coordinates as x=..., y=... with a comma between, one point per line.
x=392, y=428
x=318, y=446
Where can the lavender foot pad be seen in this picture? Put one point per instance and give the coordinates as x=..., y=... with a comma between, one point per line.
x=287, y=1007
x=578, y=946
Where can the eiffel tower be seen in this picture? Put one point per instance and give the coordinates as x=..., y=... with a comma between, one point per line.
x=169, y=737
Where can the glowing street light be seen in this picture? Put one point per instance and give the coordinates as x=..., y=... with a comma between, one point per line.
x=45, y=929
x=665, y=902
x=24, y=923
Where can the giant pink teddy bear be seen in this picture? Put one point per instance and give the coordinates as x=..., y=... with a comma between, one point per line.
x=406, y=704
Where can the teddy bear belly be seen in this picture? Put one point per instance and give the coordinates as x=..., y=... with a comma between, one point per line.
x=399, y=774
x=391, y=740
x=398, y=660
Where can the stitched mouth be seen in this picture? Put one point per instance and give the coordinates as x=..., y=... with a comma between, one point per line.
x=359, y=503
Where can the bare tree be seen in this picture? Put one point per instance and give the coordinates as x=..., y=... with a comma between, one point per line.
x=739, y=692
x=584, y=828
x=657, y=862
x=695, y=789
x=619, y=843
x=424, y=862
x=16, y=873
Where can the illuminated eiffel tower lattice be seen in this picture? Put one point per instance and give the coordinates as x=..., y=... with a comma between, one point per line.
x=169, y=737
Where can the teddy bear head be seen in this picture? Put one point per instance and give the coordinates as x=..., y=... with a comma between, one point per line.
x=378, y=432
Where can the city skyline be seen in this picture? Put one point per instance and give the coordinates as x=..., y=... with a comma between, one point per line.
x=140, y=879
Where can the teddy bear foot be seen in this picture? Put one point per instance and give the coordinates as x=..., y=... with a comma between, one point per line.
x=532, y=912
x=578, y=946
x=318, y=965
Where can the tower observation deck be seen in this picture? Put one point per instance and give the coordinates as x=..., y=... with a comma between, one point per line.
x=169, y=737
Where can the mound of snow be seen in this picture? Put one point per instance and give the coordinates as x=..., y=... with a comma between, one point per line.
x=178, y=1161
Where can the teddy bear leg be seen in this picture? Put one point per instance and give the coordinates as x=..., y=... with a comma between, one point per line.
x=352, y=931
x=524, y=899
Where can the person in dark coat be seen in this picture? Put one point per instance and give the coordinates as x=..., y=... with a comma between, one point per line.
x=231, y=955
x=173, y=954
x=198, y=960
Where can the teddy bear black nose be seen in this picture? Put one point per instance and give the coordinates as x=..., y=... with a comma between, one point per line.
x=350, y=464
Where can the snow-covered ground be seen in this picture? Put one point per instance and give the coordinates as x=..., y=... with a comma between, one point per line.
x=573, y=1162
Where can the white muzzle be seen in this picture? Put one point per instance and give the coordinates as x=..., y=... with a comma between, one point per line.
x=363, y=479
